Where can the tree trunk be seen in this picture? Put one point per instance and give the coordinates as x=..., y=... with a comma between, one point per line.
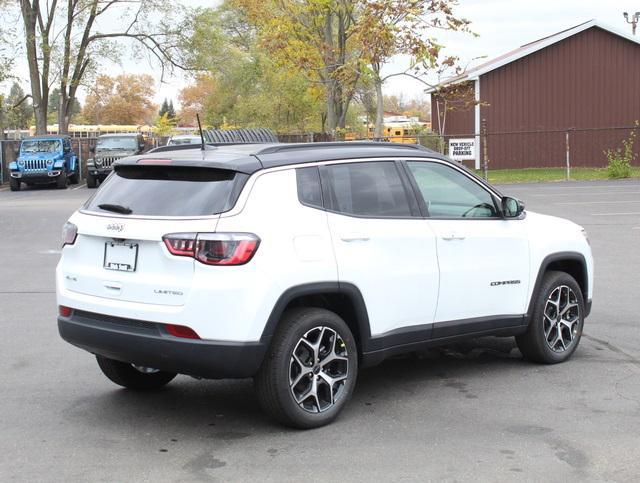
x=64, y=112
x=331, y=107
x=379, y=108
x=39, y=104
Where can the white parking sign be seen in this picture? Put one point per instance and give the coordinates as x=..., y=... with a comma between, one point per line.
x=462, y=149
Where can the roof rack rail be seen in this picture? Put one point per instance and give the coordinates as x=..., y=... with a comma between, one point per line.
x=278, y=148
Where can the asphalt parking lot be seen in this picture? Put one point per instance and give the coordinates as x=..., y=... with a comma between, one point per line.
x=475, y=411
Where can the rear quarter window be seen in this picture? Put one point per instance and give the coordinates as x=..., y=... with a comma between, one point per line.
x=169, y=191
x=309, y=188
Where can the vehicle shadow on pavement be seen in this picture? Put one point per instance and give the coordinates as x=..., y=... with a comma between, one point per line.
x=228, y=410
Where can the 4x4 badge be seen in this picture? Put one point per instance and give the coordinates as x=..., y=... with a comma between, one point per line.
x=115, y=227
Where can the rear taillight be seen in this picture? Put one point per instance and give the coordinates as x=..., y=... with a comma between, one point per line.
x=213, y=248
x=181, y=244
x=69, y=234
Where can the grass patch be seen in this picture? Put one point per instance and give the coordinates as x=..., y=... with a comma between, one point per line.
x=542, y=175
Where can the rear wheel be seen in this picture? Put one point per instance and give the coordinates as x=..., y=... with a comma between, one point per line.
x=92, y=182
x=310, y=370
x=558, y=317
x=75, y=177
x=62, y=181
x=133, y=377
x=14, y=184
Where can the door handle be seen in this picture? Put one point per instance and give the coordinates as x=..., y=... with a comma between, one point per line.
x=453, y=237
x=354, y=238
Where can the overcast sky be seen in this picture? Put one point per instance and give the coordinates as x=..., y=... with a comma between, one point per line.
x=502, y=25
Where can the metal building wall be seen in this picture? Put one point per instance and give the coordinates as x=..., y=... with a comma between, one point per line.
x=589, y=80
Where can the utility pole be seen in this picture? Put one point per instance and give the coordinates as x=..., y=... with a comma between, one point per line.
x=633, y=21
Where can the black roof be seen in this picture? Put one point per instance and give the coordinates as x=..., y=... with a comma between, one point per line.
x=249, y=158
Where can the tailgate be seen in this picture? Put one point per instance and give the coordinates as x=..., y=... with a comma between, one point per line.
x=126, y=259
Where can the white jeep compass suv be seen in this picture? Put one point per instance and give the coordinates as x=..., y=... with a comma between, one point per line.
x=299, y=264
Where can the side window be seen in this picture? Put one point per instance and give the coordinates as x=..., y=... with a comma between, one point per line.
x=309, y=189
x=448, y=193
x=372, y=189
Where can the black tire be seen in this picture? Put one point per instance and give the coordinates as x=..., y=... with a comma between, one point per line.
x=127, y=376
x=273, y=379
x=14, y=184
x=92, y=182
x=535, y=344
x=74, y=178
x=62, y=181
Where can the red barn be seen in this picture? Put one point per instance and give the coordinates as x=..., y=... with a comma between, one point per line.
x=584, y=81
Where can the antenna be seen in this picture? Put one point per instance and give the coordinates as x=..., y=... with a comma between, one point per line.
x=200, y=129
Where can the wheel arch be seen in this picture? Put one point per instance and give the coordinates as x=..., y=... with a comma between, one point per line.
x=573, y=263
x=344, y=299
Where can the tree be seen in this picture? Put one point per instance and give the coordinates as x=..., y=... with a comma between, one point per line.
x=313, y=37
x=244, y=85
x=125, y=99
x=64, y=43
x=197, y=98
x=164, y=108
x=164, y=125
x=388, y=28
x=54, y=104
x=167, y=108
x=18, y=108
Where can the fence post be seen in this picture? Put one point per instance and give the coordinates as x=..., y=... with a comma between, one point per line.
x=80, y=160
x=2, y=145
x=568, y=147
x=485, y=160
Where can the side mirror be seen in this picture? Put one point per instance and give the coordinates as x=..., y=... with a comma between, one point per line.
x=512, y=207
x=92, y=149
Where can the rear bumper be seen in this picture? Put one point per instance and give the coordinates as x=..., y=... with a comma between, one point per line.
x=148, y=344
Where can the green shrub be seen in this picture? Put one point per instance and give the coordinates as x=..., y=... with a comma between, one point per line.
x=620, y=159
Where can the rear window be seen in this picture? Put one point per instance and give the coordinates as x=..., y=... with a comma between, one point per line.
x=167, y=191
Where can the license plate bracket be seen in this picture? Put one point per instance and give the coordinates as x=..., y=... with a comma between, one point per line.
x=122, y=257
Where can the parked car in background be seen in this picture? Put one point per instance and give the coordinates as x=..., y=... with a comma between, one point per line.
x=298, y=264
x=185, y=139
x=44, y=160
x=110, y=148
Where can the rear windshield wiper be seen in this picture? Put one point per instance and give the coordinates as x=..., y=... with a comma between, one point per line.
x=115, y=208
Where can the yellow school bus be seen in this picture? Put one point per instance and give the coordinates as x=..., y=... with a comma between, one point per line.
x=95, y=130
x=397, y=132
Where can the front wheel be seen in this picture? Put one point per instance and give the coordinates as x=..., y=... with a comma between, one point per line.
x=14, y=184
x=310, y=371
x=62, y=181
x=555, y=329
x=133, y=377
x=92, y=182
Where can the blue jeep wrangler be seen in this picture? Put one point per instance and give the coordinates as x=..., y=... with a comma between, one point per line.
x=44, y=159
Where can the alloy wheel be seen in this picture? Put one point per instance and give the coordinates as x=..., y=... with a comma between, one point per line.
x=561, y=318
x=318, y=369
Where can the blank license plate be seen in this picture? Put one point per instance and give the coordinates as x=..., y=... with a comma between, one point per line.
x=120, y=256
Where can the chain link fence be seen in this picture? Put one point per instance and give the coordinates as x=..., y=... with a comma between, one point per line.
x=567, y=149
